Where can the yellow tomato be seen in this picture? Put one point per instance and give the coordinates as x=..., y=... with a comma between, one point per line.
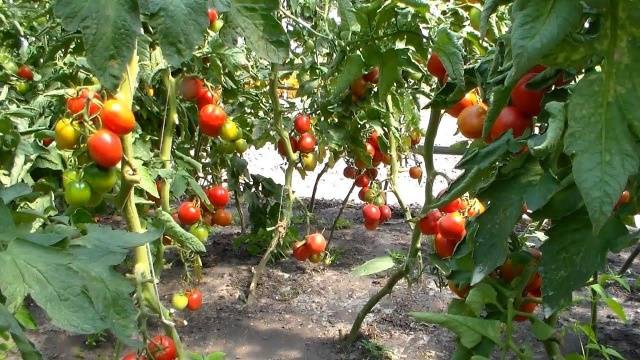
x=66, y=134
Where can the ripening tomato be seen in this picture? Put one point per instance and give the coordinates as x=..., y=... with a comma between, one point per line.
x=117, y=117
x=415, y=137
x=451, y=226
x=213, y=15
x=47, y=141
x=101, y=180
x=217, y=25
x=67, y=135
x=218, y=195
x=371, y=213
x=350, y=172
x=222, y=218
x=371, y=225
x=469, y=99
x=475, y=208
x=309, y=161
x=179, y=301
x=436, y=68
x=510, y=118
x=302, y=123
x=188, y=213
x=415, y=172
x=162, y=347
x=25, y=72
x=370, y=195
x=191, y=87
x=301, y=251
x=371, y=151
x=429, y=224
x=315, y=258
x=105, y=148
x=306, y=143
x=133, y=356
x=195, y=299
x=526, y=307
x=316, y=243
x=211, y=119
x=460, y=290
x=77, y=193
x=372, y=76
x=362, y=194
x=199, y=231
x=471, y=121
x=230, y=131
x=455, y=205
x=358, y=88
x=444, y=248
x=527, y=101
x=385, y=213
x=362, y=180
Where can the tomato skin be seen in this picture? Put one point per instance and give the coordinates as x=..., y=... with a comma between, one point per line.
x=188, y=213
x=385, y=213
x=371, y=213
x=527, y=307
x=460, y=291
x=455, y=205
x=415, y=137
x=444, y=248
x=362, y=180
x=101, y=180
x=67, y=135
x=471, y=121
x=509, y=119
x=133, y=356
x=162, y=347
x=316, y=243
x=117, y=117
x=200, y=232
x=306, y=143
x=213, y=15
x=509, y=270
x=535, y=283
x=302, y=123
x=429, y=224
x=415, y=172
x=527, y=101
x=452, y=226
x=372, y=76
x=205, y=97
x=211, y=119
x=76, y=105
x=222, y=218
x=625, y=198
x=362, y=194
x=469, y=99
x=315, y=258
x=179, y=301
x=25, y=72
x=309, y=161
x=105, y=148
x=191, y=87
x=436, y=68
x=350, y=172
x=371, y=151
x=301, y=251
x=359, y=88
x=77, y=193
x=371, y=225
x=230, y=131
x=47, y=141
x=194, y=299
x=218, y=195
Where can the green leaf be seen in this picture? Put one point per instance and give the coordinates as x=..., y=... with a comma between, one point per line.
x=488, y=8
x=538, y=27
x=109, y=29
x=13, y=192
x=255, y=21
x=177, y=233
x=480, y=295
x=471, y=330
x=613, y=305
x=373, y=266
x=547, y=143
x=9, y=323
x=179, y=27
x=572, y=254
x=147, y=182
x=450, y=53
x=541, y=330
x=604, y=153
x=350, y=70
x=347, y=13
x=391, y=69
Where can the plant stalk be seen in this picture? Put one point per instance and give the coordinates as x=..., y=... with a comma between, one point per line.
x=342, y=207
x=312, y=202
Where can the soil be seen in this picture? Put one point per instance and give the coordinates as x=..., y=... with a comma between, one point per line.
x=304, y=309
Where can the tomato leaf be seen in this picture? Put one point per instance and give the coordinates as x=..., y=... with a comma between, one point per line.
x=373, y=266
x=8, y=323
x=488, y=8
x=471, y=330
x=109, y=29
x=541, y=330
x=572, y=254
x=350, y=70
x=391, y=69
x=542, y=145
x=479, y=296
x=10, y=193
x=177, y=233
x=450, y=53
x=179, y=27
x=347, y=13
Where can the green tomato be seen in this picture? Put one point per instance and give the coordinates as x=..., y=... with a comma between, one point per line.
x=179, y=301
x=22, y=87
x=230, y=131
x=379, y=200
x=69, y=176
x=217, y=25
x=474, y=17
x=200, y=232
x=241, y=145
x=96, y=199
x=370, y=195
x=77, y=193
x=227, y=147
x=101, y=180
x=309, y=161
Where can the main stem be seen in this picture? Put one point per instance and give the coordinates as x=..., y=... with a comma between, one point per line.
x=414, y=249
x=167, y=137
x=393, y=152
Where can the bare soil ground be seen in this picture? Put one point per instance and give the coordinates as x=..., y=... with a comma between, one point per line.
x=304, y=309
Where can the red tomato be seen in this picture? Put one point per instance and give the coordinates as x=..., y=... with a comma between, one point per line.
x=75, y=105
x=510, y=270
x=415, y=172
x=385, y=213
x=455, y=205
x=371, y=225
x=371, y=213
x=316, y=243
x=451, y=226
x=188, y=213
x=301, y=251
x=205, y=97
x=625, y=197
x=509, y=119
x=191, y=88
x=362, y=180
x=444, y=248
x=429, y=224
x=469, y=99
x=436, y=68
x=134, y=356
x=218, y=195
x=378, y=157
x=25, y=72
x=373, y=140
x=535, y=283
x=47, y=141
x=211, y=118
x=162, y=348
x=302, y=123
x=372, y=173
x=222, y=218
x=460, y=291
x=527, y=307
x=527, y=101
x=105, y=148
x=306, y=143
x=213, y=15
x=350, y=172
x=371, y=150
x=195, y=299
x=117, y=117
x=372, y=76
x=471, y=121
x=358, y=88
x=362, y=194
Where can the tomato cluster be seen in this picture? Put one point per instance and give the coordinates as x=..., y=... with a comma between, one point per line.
x=360, y=85
x=305, y=142
x=189, y=299
x=311, y=248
